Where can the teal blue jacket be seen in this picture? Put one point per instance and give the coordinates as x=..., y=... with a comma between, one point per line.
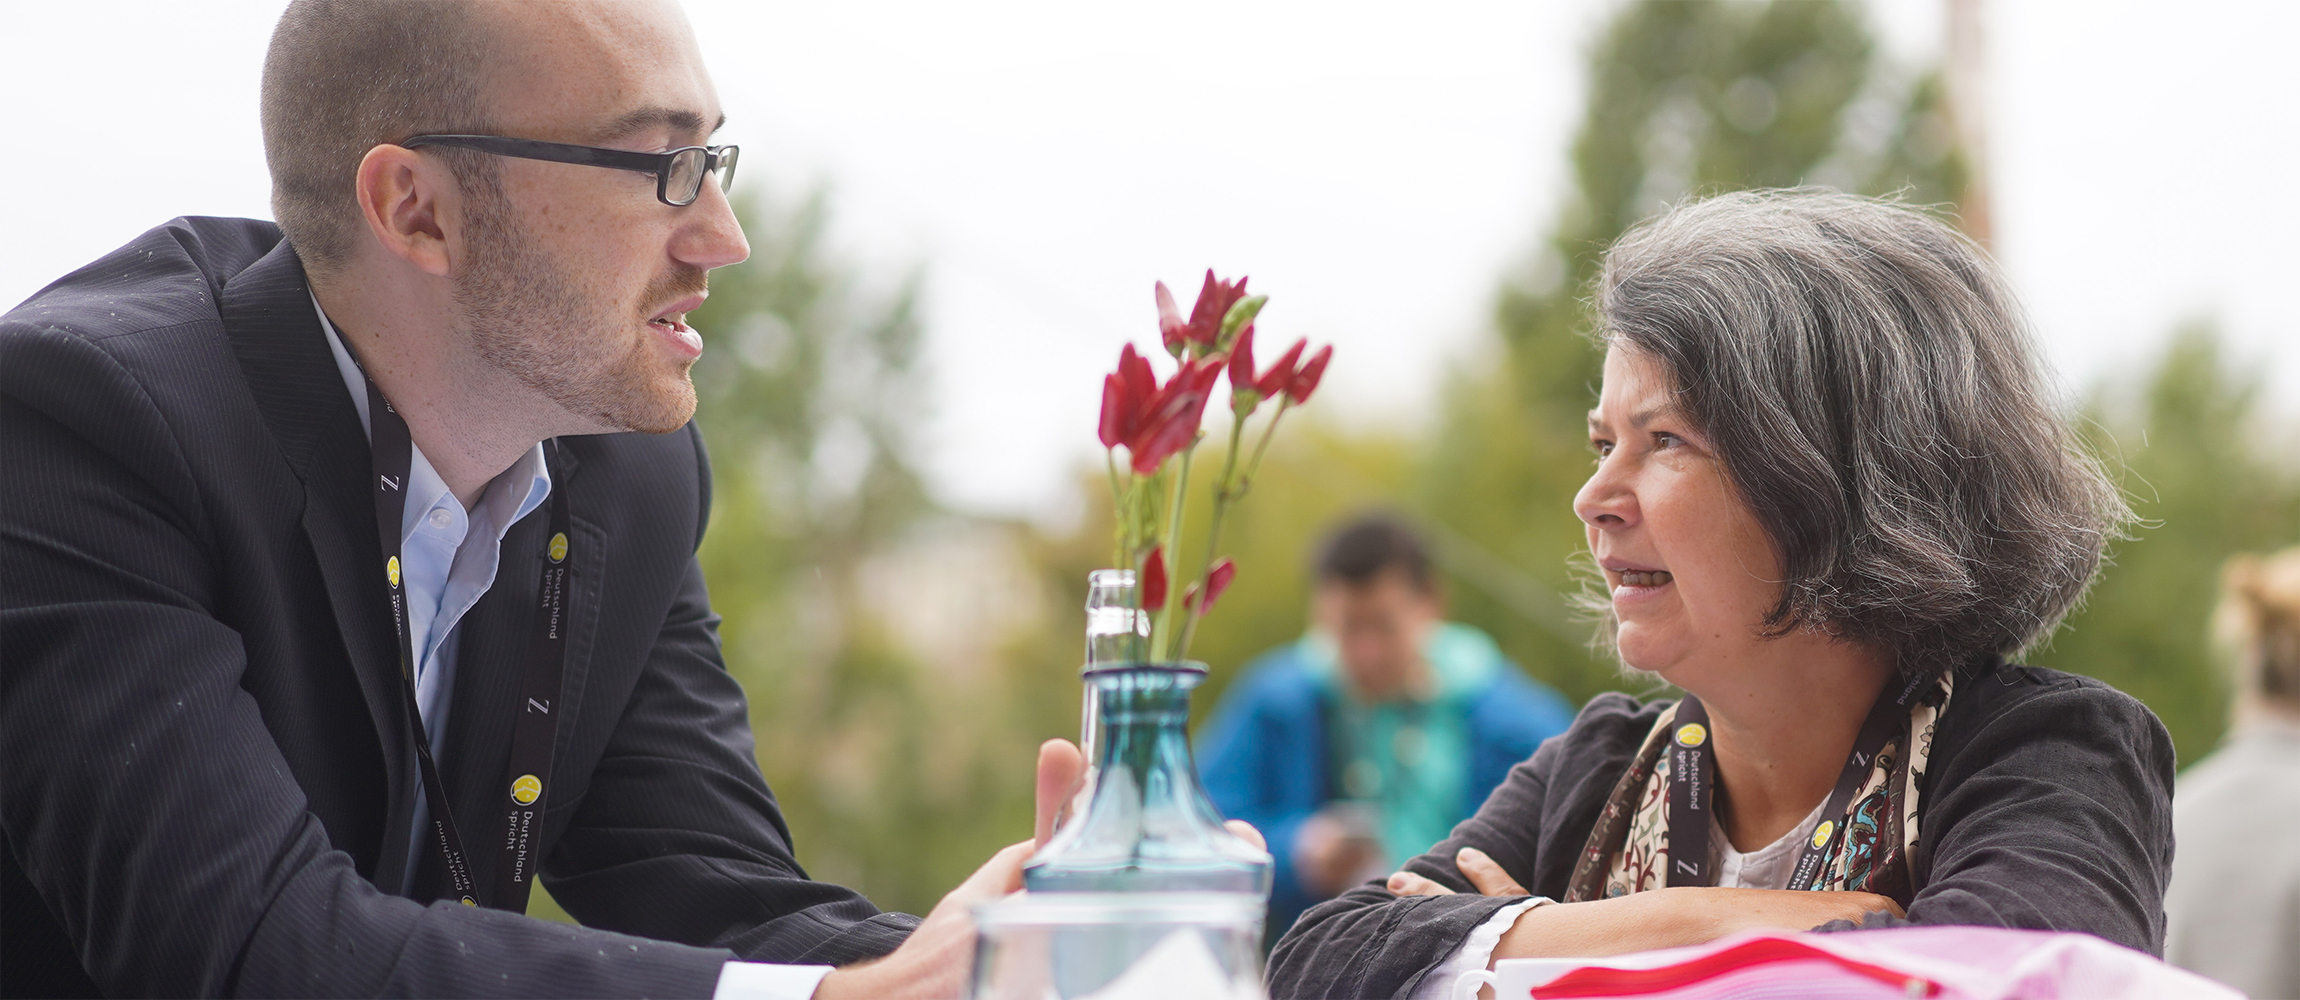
x=1264, y=758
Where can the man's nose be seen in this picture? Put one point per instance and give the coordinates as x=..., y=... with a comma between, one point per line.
x=711, y=236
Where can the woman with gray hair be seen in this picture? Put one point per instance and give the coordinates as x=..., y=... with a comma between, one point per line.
x=1831, y=498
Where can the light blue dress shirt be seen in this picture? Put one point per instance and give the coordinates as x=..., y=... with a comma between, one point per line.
x=444, y=577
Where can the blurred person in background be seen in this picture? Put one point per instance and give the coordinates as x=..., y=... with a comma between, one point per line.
x=1364, y=742
x=2233, y=911
x=1832, y=496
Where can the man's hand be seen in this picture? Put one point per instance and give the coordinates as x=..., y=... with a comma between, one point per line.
x=1335, y=849
x=1061, y=769
x=937, y=960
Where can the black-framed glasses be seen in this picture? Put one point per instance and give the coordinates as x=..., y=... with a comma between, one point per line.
x=678, y=174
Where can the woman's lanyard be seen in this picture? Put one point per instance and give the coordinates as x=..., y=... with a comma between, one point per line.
x=532, y=735
x=1693, y=788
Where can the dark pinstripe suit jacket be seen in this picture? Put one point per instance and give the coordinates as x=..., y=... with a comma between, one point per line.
x=205, y=769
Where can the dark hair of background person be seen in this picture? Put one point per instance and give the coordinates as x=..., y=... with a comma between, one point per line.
x=1873, y=392
x=345, y=76
x=1364, y=546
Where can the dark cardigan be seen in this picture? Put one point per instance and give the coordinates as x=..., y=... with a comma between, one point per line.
x=2048, y=805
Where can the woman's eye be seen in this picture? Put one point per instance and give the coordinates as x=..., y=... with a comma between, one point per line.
x=1664, y=439
x=1602, y=448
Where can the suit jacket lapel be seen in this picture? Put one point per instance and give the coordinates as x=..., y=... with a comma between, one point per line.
x=268, y=315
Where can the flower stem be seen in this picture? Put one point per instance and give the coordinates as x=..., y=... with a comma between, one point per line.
x=1162, y=636
x=1226, y=493
x=1125, y=554
x=1246, y=482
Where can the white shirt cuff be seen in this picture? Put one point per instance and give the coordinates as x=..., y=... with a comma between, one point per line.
x=1476, y=951
x=760, y=981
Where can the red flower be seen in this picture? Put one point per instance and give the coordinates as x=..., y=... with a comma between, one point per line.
x=1154, y=580
x=1112, y=428
x=1281, y=373
x=1154, y=421
x=1217, y=580
x=1242, y=361
x=1125, y=396
x=1214, y=302
x=1171, y=328
x=1204, y=328
x=1169, y=421
x=1283, y=376
x=1305, y=381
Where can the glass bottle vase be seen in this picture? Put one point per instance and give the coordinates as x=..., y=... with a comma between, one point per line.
x=1147, y=825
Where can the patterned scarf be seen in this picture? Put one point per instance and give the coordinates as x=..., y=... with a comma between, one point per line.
x=1628, y=849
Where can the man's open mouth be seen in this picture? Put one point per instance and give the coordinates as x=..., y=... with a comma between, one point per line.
x=674, y=326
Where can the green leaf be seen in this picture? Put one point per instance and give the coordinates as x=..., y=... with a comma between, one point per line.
x=1236, y=319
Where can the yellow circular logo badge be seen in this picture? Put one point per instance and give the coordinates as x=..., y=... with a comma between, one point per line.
x=527, y=789
x=1821, y=833
x=468, y=901
x=559, y=546
x=1692, y=734
x=391, y=569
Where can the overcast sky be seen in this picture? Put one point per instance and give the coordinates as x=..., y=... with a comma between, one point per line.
x=1376, y=169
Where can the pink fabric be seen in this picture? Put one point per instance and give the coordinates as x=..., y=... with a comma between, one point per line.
x=1949, y=963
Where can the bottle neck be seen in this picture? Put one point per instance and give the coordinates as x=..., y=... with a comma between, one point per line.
x=1116, y=630
x=1144, y=717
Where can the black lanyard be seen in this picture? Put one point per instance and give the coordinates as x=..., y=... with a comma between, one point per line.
x=532, y=735
x=1693, y=788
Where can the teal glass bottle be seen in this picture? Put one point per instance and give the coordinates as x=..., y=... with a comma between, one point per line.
x=1147, y=825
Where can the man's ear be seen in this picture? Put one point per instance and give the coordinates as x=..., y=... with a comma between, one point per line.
x=400, y=193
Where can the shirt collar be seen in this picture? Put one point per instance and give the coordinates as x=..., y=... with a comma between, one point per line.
x=423, y=481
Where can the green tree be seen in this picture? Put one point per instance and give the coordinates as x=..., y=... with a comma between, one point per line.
x=897, y=771
x=2210, y=476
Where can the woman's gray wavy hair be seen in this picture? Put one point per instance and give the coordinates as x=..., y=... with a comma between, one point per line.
x=1873, y=392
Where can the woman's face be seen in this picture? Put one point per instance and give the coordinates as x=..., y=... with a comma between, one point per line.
x=1691, y=572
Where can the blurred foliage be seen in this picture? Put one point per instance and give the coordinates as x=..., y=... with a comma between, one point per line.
x=900, y=750
x=896, y=774
x=2210, y=474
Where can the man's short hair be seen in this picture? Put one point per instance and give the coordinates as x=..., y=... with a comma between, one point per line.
x=345, y=76
x=1363, y=548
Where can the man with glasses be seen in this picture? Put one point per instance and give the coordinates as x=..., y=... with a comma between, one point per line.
x=350, y=577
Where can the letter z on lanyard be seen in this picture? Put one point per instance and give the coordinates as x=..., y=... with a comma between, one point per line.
x=1693, y=788
x=529, y=776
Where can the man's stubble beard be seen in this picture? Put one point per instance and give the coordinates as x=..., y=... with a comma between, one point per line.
x=526, y=318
